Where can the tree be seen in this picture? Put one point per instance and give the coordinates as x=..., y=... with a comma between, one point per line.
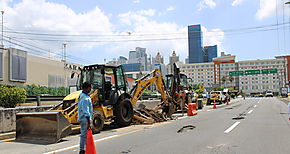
x=231, y=79
x=224, y=79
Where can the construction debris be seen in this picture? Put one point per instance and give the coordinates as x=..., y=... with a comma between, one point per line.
x=143, y=115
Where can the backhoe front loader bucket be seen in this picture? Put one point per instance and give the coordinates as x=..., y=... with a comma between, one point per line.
x=48, y=127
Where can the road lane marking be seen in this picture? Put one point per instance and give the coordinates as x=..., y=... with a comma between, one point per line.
x=255, y=106
x=75, y=146
x=182, y=117
x=95, y=141
x=250, y=111
x=232, y=127
x=7, y=140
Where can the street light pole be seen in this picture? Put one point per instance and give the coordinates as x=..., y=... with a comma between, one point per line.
x=2, y=12
x=64, y=52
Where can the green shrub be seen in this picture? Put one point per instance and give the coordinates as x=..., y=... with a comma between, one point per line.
x=34, y=90
x=11, y=96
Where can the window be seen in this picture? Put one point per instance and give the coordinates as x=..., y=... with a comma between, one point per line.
x=18, y=64
x=120, y=78
x=1, y=65
x=192, y=66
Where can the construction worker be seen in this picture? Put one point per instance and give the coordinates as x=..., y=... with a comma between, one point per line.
x=85, y=112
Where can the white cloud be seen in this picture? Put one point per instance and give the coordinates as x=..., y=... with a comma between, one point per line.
x=237, y=2
x=136, y=1
x=268, y=8
x=206, y=3
x=213, y=37
x=171, y=8
x=40, y=16
x=149, y=12
x=169, y=36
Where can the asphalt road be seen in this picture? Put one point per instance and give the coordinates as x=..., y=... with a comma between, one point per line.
x=254, y=125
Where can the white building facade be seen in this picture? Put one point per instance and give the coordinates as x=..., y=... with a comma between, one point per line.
x=214, y=74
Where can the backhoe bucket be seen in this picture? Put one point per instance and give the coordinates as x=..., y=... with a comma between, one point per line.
x=47, y=127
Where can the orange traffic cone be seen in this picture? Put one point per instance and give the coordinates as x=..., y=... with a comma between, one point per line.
x=90, y=146
x=214, y=104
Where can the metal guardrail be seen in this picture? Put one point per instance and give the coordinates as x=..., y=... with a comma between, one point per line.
x=30, y=99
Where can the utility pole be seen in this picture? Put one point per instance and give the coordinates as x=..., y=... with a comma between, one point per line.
x=2, y=12
x=64, y=52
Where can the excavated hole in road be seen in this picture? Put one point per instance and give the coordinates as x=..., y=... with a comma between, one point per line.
x=238, y=118
x=125, y=152
x=229, y=108
x=186, y=128
x=284, y=113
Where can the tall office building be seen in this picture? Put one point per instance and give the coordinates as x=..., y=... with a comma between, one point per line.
x=210, y=52
x=195, y=44
x=173, y=58
x=139, y=56
x=158, y=59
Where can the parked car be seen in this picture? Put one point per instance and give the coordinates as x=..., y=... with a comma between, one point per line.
x=217, y=96
x=269, y=94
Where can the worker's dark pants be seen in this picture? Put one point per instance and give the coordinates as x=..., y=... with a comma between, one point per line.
x=83, y=137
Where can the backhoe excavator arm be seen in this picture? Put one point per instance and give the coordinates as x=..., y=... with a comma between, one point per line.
x=143, y=83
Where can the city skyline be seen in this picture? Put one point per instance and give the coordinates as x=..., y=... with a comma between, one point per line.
x=91, y=31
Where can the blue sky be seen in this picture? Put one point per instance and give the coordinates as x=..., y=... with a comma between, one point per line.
x=162, y=23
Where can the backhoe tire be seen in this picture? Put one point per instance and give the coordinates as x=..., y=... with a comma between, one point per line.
x=97, y=122
x=123, y=113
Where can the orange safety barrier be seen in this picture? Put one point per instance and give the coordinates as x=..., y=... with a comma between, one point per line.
x=191, y=109
x=90, y=146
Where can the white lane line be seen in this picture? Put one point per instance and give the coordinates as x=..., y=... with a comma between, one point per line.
x=255, y=106
x=232, y=127
x=182, y=117
x=250, y=111
x=75, y=146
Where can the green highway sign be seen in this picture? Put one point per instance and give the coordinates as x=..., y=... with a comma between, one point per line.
x=236, y=73
x=270, y=71
x=252, y=72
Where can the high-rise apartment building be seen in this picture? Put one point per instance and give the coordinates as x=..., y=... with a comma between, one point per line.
x=195, y=44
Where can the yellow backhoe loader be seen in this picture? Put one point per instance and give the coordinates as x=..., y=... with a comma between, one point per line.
x=111, y=103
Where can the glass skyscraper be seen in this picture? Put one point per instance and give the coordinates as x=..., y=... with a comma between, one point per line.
x=210, y=52
x=195, y=44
